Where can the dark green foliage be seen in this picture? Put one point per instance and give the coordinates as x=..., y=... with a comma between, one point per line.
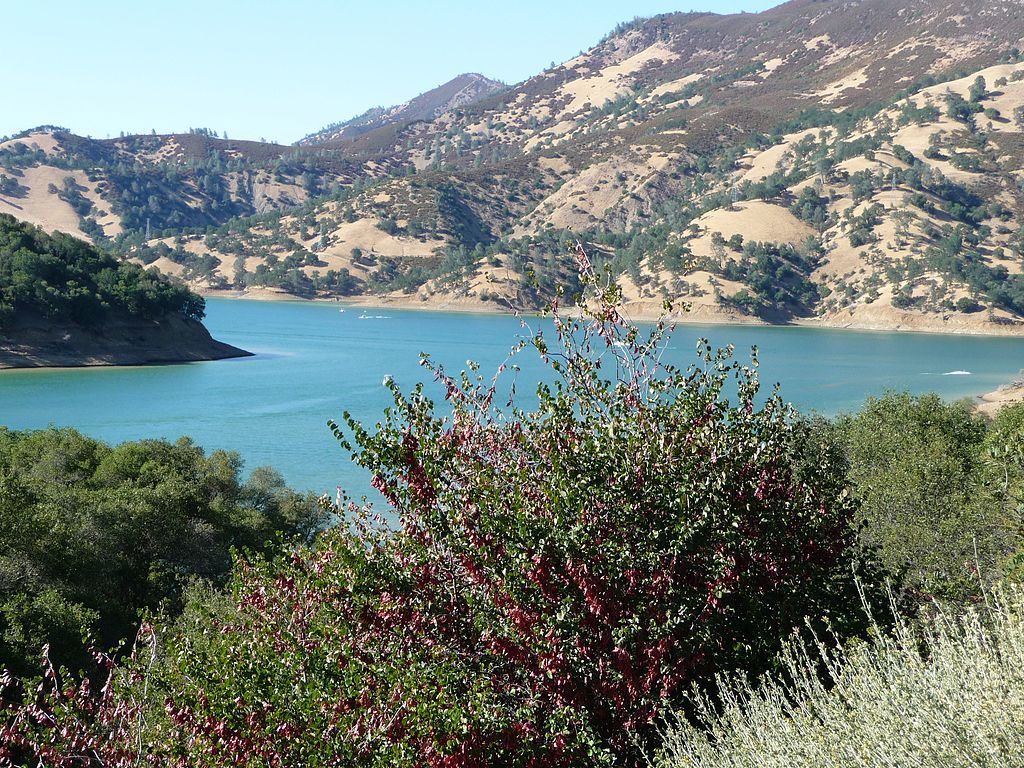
x=92, y=535
x=1003, y=478
x=67, y=280
x=1018, y=117
x=863, y=225
x=958, y=108
x=920, y=115
x=966, y=161
x=71, y=193
x=466, y=226
x=952, y=257
x=921, y=470
x=10, y=187
x=862, y=186
x=153, y=196
x=978, y=91
x=812, y=208
x=967, y=304
x=902, y=298
x=778, y=276
x=336, y=282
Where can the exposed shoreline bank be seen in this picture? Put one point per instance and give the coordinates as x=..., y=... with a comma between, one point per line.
x=169, y=341
x=905, y=324
x=991, y=403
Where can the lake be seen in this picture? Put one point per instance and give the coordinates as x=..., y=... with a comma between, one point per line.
x=314, y=361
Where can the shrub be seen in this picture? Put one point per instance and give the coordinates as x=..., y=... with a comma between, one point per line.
x=967, y=304
x=1003, y=478
x=916, y=464
x=90, y=722
x=557, y=577
x=90, y=535
x=951, y=696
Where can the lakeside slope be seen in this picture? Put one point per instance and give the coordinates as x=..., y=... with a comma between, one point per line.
x=172, y=339
x=63, y=302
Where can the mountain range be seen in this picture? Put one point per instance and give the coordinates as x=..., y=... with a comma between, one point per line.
x=839, y=162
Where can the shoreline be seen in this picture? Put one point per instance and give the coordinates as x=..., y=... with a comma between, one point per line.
x=909, y=324
x=986, y=403
x=172, y=340
x=990, y=403
x=26, y=361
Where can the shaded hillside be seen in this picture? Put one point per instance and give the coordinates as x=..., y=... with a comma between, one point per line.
x=460, y=91
x=62, y=302
x=394, y=234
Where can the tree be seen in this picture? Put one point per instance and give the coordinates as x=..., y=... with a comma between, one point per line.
x=1018, y=117
x=68, y=280
x=915, y=464
x=10, y=187
x=960, y=109
x=90, y=535
x=811, y=207
x=978, y=90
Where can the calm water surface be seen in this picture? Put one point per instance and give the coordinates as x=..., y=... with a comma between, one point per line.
x=314, y=361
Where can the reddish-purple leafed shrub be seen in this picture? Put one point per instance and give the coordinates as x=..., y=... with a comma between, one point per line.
x=94, y=721
x=557, y=577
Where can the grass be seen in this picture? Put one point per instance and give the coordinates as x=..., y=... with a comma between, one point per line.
x=947, y=696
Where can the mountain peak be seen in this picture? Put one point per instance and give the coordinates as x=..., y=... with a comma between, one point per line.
x=460, y=91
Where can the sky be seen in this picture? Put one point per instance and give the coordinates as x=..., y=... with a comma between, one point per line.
x=277, y=70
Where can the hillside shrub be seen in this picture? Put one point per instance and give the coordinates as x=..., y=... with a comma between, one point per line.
x=93, y=535
x=918, y=465
x=555, y=580
x=948, y=696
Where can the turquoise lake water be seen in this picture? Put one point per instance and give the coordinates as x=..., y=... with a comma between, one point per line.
x=314, y=361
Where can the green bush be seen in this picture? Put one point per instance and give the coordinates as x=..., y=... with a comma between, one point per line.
x=917, y=464
x=91, y=536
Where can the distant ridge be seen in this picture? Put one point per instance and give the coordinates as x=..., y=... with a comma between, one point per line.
x=460, y=91
x=837, y=162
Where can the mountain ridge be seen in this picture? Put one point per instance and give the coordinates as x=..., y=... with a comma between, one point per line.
x=460, y=91
x=828, y=162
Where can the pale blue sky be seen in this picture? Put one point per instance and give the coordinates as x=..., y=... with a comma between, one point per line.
x=276, y=70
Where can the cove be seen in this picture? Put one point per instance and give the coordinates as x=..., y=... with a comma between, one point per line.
x=313, y=361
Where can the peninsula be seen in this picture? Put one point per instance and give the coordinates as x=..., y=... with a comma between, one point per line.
x=64, y=303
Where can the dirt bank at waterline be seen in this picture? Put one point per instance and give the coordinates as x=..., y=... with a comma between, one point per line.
x=37, y=343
